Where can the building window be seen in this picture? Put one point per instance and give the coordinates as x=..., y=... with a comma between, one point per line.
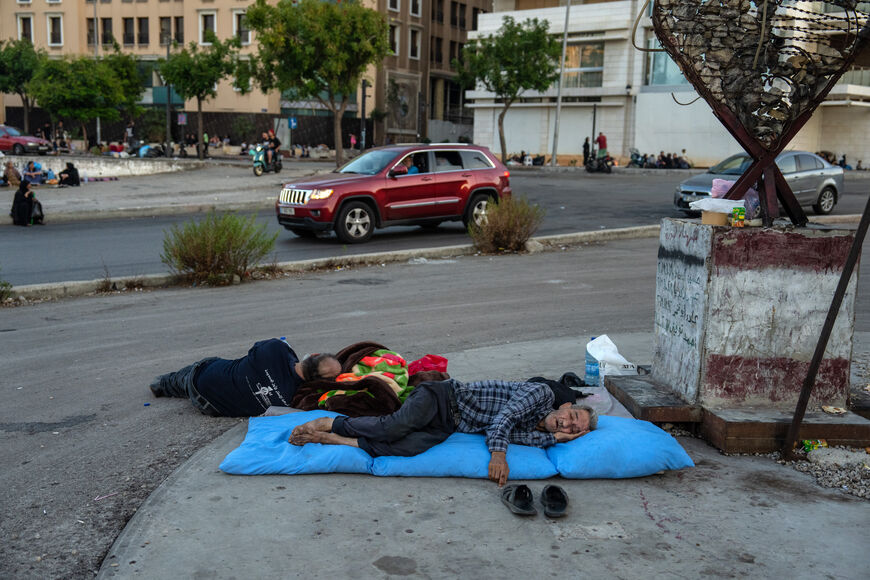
x=415, y=7
x=179, y=29
x=25, y=28
x=55, y=29
x=207, y=23
x=462, y=16
x=23, y=1
x=435, y=50
x=127, y=25
x=52, y=1
x=414, y=46
x=475, y=12
x=661, y=69
x=394, y=39
x=584, y=65
x=91, y=29
x=240, y=27
x=393, y=5
x=438, y=11
x=108, y=37
x=143, y=31
x=165, y=30
x=454, y=14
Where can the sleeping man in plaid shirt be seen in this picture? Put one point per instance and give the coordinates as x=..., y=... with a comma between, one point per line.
x=507, y=412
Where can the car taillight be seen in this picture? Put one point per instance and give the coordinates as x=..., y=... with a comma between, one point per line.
x=507, y=174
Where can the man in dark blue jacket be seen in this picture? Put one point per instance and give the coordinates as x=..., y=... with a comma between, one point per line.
x=268, y=375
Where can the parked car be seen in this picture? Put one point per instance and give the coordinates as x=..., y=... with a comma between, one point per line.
x=814, y=181
x=395, y=185
x=13, y=140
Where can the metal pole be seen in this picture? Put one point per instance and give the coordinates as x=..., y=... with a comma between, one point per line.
x=362, y=121
x=594, y=113
x=97, y=57
x=559, y=89
x=809, y=382
x=168, y=151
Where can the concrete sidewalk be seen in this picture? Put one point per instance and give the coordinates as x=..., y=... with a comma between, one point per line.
x=728, y=516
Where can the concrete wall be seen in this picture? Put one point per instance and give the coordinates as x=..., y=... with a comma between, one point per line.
x=104, y=166
x=739, y=312
x=844, y=130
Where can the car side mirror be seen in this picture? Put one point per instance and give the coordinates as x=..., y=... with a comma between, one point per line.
x=399, y=169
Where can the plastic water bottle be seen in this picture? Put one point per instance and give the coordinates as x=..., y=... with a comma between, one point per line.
x=591, y=377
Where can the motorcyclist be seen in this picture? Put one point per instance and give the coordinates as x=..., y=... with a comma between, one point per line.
x=273, y=144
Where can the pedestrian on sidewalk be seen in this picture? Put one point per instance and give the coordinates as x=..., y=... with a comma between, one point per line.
x=268, y=375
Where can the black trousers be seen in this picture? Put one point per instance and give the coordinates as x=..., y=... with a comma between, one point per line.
x=425, y=419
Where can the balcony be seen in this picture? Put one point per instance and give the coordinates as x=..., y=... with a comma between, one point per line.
x=158, y=96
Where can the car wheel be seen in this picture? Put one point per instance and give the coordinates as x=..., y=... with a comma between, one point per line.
x=18, y=149
x=303, y=233
x=826, y=202
x=476, y=212
x=258, y=170
x=355, y=223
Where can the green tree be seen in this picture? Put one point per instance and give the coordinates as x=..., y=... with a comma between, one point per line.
x=319, y=49
x=519, y=57
x=19, y=62
x=126, y=71
x=78, y=88
x=194, y=72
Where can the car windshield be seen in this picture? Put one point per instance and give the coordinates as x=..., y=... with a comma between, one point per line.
x=369, y=163
x=734, y=165
x=12, y=132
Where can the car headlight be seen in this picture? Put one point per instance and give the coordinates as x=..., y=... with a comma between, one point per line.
x=31, y=144
x=321, y=193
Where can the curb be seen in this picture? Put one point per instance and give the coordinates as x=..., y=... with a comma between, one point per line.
x=57, y=290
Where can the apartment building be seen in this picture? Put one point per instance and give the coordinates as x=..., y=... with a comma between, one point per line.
x=413, y=92
x=632, y=96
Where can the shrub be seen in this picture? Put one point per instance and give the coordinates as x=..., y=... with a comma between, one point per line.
x=508, y=226
x=5, y=290
x=216, y=248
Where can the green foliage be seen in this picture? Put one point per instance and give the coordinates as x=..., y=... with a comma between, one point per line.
x=19, y=62
x=242, y=128
x=5, y=290
x=126, y=71
x=508, y=226
x=319, y=49
x=520, y=57
x=216, y=248
x=78, y=88
x=194, y=72
x=152, y=125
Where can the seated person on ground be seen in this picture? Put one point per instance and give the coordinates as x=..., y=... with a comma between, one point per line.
x=69, y=176
x=11, y=176
x=268, y=375
x=33, y=173
x=507, y=412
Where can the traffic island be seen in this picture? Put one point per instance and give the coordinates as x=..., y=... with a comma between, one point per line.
x=738, y=315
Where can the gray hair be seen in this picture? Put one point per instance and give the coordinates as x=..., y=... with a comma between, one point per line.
x=593, y=415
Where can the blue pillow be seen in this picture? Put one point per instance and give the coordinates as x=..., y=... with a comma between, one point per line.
x=619, y=448
x=266, y=450
x=466, y=455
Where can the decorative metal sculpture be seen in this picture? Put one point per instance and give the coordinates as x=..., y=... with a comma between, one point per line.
x=763, y=66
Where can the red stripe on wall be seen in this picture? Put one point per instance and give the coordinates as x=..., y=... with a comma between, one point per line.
x=778, y=379
x=752, y=249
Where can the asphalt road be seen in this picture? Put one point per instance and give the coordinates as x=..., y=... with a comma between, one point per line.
x=80, y=450
x=573, y=201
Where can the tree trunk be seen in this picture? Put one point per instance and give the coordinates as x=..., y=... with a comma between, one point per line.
x=501, y=138
x=200, y=149
x=85, y=137
x=336, y=131
x=26, y=105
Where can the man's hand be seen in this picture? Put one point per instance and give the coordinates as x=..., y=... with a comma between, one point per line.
x=498, y=468
x=563, y=437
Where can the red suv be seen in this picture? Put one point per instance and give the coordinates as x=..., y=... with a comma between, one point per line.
x=395, y=185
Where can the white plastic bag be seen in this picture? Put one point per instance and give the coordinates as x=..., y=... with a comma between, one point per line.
x=610, y=362
x=716, y=205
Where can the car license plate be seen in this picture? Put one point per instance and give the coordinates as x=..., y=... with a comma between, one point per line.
x=43, y=148
x=287, y=211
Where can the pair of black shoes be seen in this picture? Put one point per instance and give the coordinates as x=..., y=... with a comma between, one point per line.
x=519, y=499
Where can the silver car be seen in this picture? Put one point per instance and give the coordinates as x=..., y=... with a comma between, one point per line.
x=814, y=181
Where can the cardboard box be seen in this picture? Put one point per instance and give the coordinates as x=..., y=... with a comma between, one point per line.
x=713, y=218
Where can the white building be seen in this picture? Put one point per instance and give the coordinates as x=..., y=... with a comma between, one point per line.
x=631, y=96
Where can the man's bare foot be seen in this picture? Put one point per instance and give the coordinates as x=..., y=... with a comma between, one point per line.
x=321, y=437
x=321, y=424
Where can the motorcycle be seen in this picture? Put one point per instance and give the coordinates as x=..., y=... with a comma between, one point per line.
x=602, y=164
x=258, y=154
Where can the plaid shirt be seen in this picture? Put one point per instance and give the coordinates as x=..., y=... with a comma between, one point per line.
x=505, y=411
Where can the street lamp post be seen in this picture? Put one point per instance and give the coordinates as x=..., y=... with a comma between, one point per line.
x=362, y=121
x=559, y=90
x=96, y=58
x=167, y=150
